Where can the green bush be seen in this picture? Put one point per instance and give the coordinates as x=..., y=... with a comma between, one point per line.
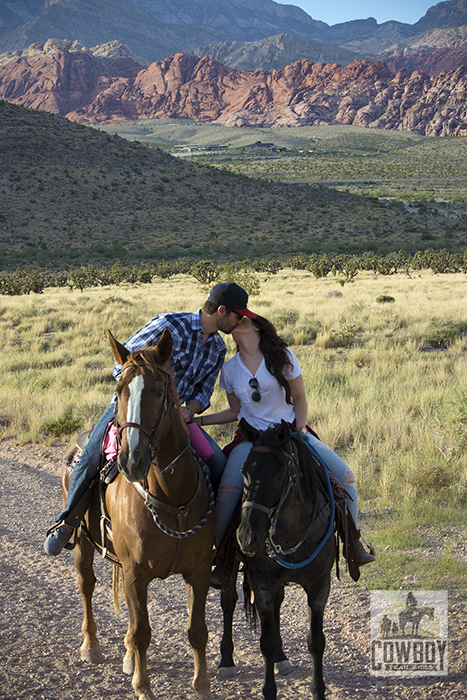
x=443, y=334
x=65, y=425
x=385, y=299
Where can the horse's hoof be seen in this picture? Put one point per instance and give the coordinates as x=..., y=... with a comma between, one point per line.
x=283, y=667
x=92, y=656
x=226, y=672
x=128, y=664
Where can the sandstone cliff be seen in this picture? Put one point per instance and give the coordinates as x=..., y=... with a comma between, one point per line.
x=80, y=86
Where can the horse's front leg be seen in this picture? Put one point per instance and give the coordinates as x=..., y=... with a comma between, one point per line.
x=281, y=662
x=317, y=598
x=139, y=632
x=270, y=637
x=229, y=598
x=83, y=554
x=197, y=587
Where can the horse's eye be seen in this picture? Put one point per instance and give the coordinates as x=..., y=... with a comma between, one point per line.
x=157, y=392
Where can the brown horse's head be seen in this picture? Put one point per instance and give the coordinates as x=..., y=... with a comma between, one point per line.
x=143, y=403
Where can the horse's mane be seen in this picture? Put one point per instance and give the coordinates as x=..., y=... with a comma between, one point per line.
x=309, y=467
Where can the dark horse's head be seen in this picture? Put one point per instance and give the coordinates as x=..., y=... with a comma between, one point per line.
x=143, y=403
x=265, y=474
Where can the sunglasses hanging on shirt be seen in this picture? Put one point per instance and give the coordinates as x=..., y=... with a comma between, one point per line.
x=256, y=396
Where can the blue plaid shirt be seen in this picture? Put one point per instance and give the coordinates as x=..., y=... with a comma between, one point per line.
x=195, y=366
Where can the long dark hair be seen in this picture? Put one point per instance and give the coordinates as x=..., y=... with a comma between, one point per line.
x=274, y=349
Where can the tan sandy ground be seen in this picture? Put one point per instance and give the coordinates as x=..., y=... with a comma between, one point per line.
x=41, y=615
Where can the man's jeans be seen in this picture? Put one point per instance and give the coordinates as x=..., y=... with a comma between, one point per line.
x=87, y=467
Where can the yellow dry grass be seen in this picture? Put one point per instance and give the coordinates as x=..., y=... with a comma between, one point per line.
x=386, y=383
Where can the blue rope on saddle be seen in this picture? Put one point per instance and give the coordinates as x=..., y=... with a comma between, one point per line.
x=299, y=565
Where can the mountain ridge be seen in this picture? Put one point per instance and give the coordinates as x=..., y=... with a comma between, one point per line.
x=87, y=89
x=154, y=29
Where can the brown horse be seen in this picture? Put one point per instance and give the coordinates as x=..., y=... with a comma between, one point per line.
x=156, y=456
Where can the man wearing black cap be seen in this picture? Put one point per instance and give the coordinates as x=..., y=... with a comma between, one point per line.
x=197, y=357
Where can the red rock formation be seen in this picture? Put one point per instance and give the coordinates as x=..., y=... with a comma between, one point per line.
x=78, y=85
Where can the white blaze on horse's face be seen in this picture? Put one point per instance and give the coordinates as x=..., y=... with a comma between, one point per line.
x=133, y=411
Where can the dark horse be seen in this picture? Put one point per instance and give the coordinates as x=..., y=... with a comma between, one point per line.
x=286, y=513
x=414, y=617
x=156, y=456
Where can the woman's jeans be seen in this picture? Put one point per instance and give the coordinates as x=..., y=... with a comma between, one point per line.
x=231, y=485
x=87, y=467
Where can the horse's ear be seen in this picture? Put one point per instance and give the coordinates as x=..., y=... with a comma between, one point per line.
x=283, y=432
x=164, y=347
x=119, y=351
x=249, y=433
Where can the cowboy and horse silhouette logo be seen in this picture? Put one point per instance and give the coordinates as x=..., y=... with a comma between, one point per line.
x=409, y=633
x=408, y=620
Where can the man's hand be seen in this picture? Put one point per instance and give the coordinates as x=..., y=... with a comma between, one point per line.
x=187, y=414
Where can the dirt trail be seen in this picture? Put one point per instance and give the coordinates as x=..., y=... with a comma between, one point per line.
x=41, y=615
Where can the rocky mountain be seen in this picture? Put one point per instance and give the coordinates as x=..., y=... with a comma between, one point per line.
x=80, y=85
x=95, y=22
x=13, y=14
x=452, y=13
x=155, y=29
x=152, y=28
x=273, y=53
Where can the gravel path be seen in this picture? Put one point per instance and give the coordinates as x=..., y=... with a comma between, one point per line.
x=41, y=615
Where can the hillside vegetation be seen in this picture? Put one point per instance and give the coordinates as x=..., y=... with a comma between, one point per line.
x=384, y=368
x=72, y=195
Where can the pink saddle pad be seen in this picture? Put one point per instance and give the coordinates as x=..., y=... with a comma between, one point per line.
x=111, y=446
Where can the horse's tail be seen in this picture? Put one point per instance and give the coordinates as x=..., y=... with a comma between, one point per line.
x=117, y=586
x=249, y=599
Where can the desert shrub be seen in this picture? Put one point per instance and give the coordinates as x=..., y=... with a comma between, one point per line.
x=205, y=271
x=64, y=425
x=320, y=266
x=347, y=265
x=443, y=334
x=342, y=337
x=245, y=276
x=271, y=267
x=298, y=262
x=82, y=277
x=360, y=358
x=385, y=299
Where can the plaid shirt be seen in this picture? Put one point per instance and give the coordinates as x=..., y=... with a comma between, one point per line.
x=195, y=366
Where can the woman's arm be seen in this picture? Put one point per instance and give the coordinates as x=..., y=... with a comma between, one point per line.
x=297, y=389
x=228, y=415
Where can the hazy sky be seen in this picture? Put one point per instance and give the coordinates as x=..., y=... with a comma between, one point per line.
x=335, y=11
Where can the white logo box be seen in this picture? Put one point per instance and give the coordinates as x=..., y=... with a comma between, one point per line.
x=409, y=633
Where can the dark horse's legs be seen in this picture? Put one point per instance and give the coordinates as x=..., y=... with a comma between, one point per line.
x=229, y=598
x=270, y=640
x=317, y=598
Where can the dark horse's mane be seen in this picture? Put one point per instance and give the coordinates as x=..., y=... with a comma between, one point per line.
x=310, y=469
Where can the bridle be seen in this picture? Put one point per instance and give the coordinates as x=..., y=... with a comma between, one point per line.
x=292, y=482
x=153, y=503
x=153, y=434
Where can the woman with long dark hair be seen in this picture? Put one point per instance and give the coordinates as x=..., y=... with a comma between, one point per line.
x=264, y=385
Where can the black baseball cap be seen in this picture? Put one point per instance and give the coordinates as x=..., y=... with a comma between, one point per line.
x=232, y=296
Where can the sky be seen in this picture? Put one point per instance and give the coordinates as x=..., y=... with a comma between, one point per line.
x=335, y=11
